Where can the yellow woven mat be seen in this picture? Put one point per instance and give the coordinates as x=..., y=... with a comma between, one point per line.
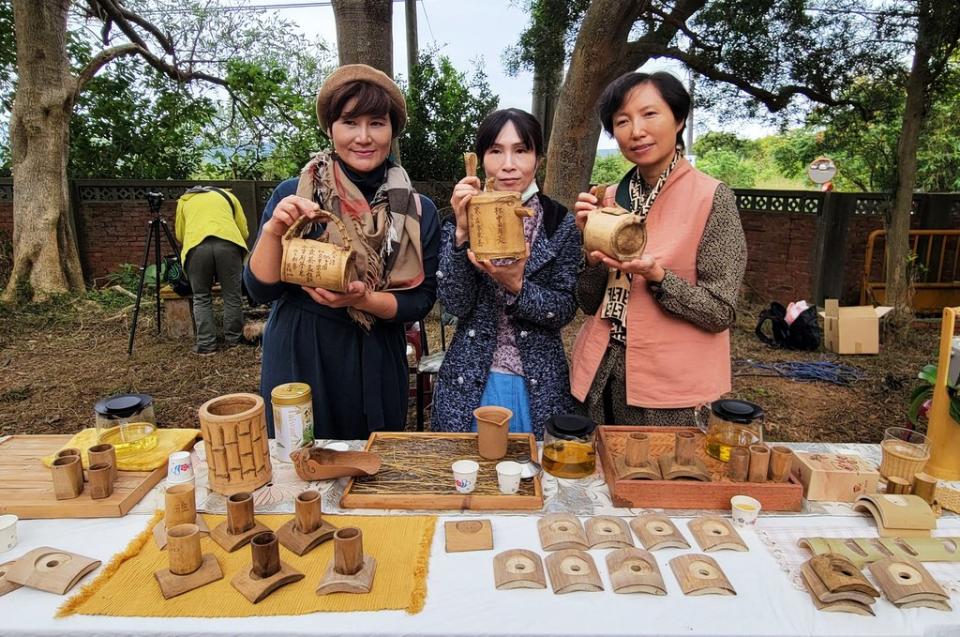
x=400, y=544
x=168, y=441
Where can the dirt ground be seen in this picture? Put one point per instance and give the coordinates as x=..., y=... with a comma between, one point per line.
x=57, y=359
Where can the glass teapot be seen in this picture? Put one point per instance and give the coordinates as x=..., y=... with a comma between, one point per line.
x=729, y=423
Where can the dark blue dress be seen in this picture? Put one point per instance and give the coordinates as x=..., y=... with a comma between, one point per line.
x=359, y=380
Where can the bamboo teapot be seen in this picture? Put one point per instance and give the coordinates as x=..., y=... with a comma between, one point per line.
x=616, y=232
x=495, y=220
x=317, y=264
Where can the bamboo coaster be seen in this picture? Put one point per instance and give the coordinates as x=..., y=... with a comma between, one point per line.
x=840, y=575
x=907, y=584
x=656, y=531
x=351, y=571
x=308, y=529
x=823, y=599
x=49, y=569
x=172, y=585
x=608, y=532
x=714, y=533
x=518, y=568
x=700, y=575
x=634, y=570
x=6, y=586
x=572, y=570
x=468, y=535
x=560, y=531
x=266, y=572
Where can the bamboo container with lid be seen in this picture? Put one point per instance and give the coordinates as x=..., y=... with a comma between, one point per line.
x=495, y=220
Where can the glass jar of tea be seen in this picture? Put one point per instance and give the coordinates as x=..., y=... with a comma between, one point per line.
x=568, y=447
x=729, y=423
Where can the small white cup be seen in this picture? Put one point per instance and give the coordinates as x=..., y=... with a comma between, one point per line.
x=745, y=510
x=508, y=476
x=337, y=446
x=465, y=475
x=179, y=467
x=8, y=532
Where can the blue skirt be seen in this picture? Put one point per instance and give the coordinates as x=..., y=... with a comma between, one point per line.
x=510, y=391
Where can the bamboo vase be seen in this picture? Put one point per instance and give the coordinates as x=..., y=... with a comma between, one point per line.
x=235, y=434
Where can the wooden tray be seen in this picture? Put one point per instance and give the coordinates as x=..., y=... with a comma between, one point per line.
x=416, y=474
x=685, y=494
x=26, y=488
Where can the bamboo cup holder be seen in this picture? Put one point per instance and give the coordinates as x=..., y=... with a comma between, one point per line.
x=6, y=586
x=608, y=532
x=559, y=531
x=307, y=530
x=572, y=570
x=67, y=474
x=518, y=568
x=351, y=570
x=99, y=478
x=657, y=531
x=188, y=568
x=318, y=264
x=266, y=572
x=683, y=462
x=180, y=507
x=634, y=570
x=240, y=526
x=636, y=464
x=105, y=454
x=234, y=431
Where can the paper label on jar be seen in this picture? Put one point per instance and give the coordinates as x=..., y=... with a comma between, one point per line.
x=293, y=427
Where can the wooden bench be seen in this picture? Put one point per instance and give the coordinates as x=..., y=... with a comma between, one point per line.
x=938, y=282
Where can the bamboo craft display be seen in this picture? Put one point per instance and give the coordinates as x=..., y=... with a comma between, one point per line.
x=317, y=264
x=415, y=474
x=307, y=530
x=267, y=572
x=848, y=599
x=189, y=568
x=100, y=479
x=351, y=570
x=235, y=432
x=495, y=220
x=943, y=432
x=240, y=526
x=67, y=474
x=714, y=533
x=616, y=232
x=105, y=454
x=898, y=515
x=684, y=494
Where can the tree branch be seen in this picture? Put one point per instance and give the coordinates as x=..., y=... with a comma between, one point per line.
x=100, y=60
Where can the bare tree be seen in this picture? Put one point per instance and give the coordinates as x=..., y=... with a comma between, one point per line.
x=364, y=32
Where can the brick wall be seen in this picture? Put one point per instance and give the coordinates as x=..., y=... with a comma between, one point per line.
x=779, y=255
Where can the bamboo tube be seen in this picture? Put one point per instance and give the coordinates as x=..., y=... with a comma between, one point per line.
x=925, y=486
x=266, y=555
x=180, y=505
x=101, y=486
x=235, y=433
x=896, y=484
x=685, y=448
x=638, y=450
x=69, y=451
x=348, y=551
x=239, y=513
x=183, y=548
x=67, y=475
x=105, y=454
x=470, y=164
x=759, y=463
x=308, y=511
x=781, y=461
x=739, y=464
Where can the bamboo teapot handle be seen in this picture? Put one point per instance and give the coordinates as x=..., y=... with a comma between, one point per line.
x=523, y=212
x=296, y=230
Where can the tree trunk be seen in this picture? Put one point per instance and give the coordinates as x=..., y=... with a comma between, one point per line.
x=44, y=245
x=546, y=90
x=899, y=285
x=365, y=33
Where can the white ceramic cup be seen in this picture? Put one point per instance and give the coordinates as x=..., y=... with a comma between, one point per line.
x=8, y=532
x=465, y=475
x=745, y=510
x=179, y=467
x=508, y=476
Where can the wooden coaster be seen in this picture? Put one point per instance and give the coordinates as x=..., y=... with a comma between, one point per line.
x=49, y=569
x=7, y=586
x=359, y=582
x=700, y=575
x=634, y=570
x=898, y=515
x=714, y=533
x=572, y=570
x=172, y=584
x=468, y=535
x=231, y=543
x=650, y=470
x=819, y=590
x=255, y=589
x=518, y=568
x=672, y=471
x=160, y=531
x=906, y=583
x=839, y=574
x=302, y=543
x=560, y=531
x=656, y=531
x=608, y=532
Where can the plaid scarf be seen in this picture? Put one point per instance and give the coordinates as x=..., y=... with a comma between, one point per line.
x=385, y=233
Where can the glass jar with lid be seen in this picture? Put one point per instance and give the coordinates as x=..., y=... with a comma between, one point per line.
x=568, y=446
x=127, y=422
x=729, y=423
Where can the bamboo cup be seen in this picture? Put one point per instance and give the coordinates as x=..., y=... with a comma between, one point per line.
x=638, y=450
x=105, y=454
x=896, y=484
x=239, y=513
x=69, y=451
x=685, y=448
x=266, y=555
x=183, y=548
x=309, y=512
x=781, y=461
x=759, y=463
x=180, y=505
x=348, y=551
x=493, y=427
x=67, y=475
x=98, y=476
x=925, y=486
x=739, y=464
x=615, y=232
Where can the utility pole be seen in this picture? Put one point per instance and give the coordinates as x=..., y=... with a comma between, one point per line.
x=413, y=52
x=690, y=87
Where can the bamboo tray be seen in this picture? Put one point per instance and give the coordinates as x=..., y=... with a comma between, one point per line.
x=416, y=474
x=26, y=488
x=685, y=494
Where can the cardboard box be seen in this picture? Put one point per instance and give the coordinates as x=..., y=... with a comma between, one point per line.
x=834, y=477
x=852, y=330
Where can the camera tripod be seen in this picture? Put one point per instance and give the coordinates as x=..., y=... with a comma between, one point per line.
x=154, y=200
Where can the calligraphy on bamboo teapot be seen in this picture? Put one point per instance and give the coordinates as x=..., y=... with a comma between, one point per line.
x=616, y=232
x=317, y=264
x=495, y=220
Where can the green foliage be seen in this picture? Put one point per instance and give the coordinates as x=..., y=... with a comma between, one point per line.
x=729, y=168
x=545, y=41
x=444, y=108
x=610, y=169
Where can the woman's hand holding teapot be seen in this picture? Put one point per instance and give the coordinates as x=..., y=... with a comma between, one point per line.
x=287, y=212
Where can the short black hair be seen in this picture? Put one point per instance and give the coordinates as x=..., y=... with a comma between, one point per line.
x=528, y=128
x=371, y=100
x=670, y=88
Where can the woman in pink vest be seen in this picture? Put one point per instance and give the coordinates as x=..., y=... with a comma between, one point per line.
x=656, y=342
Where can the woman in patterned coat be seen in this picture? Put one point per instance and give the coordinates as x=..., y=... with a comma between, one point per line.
x=507, y=349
